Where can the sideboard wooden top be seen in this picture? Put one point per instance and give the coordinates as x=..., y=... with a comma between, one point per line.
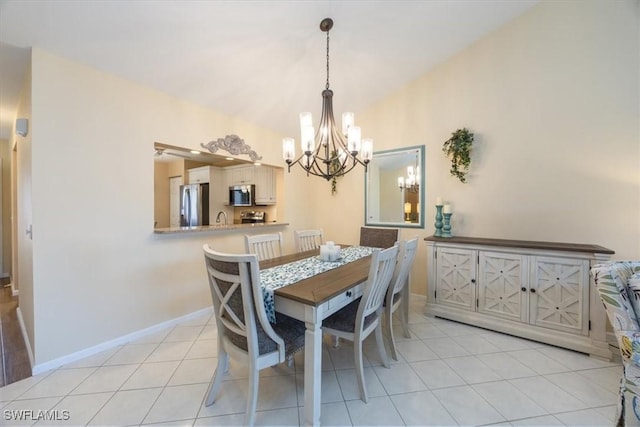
x=530, y=244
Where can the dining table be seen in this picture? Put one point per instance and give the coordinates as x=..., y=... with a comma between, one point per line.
x=311, y=300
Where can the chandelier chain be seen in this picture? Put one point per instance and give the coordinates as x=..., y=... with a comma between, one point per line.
x=327, y=85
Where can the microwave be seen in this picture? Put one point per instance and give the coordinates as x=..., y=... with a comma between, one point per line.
x=242, y=195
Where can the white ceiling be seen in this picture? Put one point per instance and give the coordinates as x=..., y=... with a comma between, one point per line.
x=263, y=61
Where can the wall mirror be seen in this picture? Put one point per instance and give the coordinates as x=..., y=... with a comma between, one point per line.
x=394, y=188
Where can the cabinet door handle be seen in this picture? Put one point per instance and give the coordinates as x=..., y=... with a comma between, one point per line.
x=533, y=291
x=349, y=294
x=523, y=289
x=473, y=280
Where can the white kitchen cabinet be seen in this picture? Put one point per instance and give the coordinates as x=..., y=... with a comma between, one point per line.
x=537, y=290
x=199, y=175
x=240, y=175
x=265, y=181
x=218, y=192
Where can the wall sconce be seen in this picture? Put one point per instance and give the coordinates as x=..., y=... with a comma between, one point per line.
x=22, y=127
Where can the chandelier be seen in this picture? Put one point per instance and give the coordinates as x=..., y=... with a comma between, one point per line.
x=327, y=151
x=412, y=182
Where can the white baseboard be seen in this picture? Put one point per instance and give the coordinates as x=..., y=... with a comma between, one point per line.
x=14, y=292
x=69, y=358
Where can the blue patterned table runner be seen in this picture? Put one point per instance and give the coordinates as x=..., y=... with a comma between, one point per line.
x=286, y=274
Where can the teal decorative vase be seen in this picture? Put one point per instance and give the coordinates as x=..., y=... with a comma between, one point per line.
x=438, y=224
x=446, y=228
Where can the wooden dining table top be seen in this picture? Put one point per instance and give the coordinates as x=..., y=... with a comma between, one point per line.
x=321, y=287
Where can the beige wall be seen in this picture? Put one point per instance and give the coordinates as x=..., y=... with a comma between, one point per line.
x=103, y=264
x=552, y=98
x=161, y=194
x=23, y=267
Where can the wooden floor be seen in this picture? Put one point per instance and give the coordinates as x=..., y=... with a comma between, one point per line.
x=14, y=362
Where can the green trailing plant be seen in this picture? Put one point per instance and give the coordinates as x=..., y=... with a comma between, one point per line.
x=334, y=167
x=458, y=149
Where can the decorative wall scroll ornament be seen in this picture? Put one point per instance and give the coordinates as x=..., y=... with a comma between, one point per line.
x=234, y=145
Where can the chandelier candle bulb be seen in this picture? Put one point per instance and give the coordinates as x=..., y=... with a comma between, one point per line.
x=367, y=150
x=307, y=142
x=353, y=139
x=401, y=182
x=348, y=119
x=305, y=120
x=288, y=149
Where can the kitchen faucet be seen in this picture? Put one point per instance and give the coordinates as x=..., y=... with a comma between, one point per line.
x=225, y=217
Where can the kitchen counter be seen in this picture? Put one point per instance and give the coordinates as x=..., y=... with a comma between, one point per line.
x=218, y=228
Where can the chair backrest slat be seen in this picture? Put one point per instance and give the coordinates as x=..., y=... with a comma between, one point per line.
x=265, y=246
x=406, y=256
x=383, y=263
x=307, y=240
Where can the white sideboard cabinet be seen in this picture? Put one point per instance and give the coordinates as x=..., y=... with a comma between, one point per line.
x=536, y=290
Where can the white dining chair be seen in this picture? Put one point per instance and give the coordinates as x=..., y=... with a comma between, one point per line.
x=399, y=284
x=307, y=240
x=356, y=321
x=266, y=246
x=243, y=328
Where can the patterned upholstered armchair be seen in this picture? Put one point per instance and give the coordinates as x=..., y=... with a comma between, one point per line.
x=618, y=283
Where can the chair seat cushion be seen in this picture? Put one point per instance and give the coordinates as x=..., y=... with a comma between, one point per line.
x=291, y=331
x=345, y=319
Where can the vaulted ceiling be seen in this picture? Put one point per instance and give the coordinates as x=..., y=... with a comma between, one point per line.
x=263, y=61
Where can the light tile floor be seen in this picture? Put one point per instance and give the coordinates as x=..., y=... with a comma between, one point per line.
x=448, y=374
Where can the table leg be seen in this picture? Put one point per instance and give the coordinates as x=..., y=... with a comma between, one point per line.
x=312, y=367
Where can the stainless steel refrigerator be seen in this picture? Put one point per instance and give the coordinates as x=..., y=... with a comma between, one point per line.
x=194, y=205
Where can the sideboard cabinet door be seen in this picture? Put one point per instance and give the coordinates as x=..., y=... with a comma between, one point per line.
x=560, y=294
x=456, y=278
x=503, y=285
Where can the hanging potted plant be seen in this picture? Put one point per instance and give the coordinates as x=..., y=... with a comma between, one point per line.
x=458, y=149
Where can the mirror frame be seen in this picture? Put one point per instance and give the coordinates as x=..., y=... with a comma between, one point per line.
x=420, y=223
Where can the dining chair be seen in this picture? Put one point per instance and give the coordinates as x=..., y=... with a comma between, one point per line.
x=243, y=328
x=266, y=246
x=357, y=320
x=307, y=240
x=397, y=287
x=378, y=237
